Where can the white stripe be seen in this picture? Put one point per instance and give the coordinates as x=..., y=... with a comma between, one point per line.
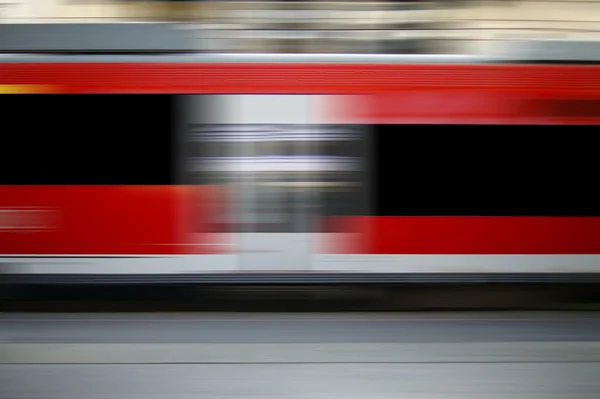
x=152, y=264
x=458, y=263
x=294, y=164
x=114, y=265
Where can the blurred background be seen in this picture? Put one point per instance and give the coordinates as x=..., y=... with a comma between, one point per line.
x=413, y=27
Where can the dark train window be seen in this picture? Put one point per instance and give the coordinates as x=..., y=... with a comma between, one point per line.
x=87, y=140
x=472, y=170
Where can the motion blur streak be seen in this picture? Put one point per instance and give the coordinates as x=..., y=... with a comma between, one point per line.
x=381, y=181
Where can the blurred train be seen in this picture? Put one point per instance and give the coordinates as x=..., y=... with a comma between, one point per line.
x=298, y=168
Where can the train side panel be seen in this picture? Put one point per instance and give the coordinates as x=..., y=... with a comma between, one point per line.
x=489, y=225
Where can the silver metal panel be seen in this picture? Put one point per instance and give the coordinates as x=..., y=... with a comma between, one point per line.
x=94, y=37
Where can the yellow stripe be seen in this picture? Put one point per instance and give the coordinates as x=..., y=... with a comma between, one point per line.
x=26, y=89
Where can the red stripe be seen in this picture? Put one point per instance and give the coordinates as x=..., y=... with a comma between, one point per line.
x=482, y=235
x=95, y=220
x=405, y=93
x=435, y=106
x=157, y=220
x=299, y=78
x=107, y=220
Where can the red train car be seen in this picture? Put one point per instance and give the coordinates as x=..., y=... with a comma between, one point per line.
x=297, y=169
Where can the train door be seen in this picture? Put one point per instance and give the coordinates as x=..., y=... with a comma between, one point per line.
x=252, y=148
x=276, y=212
x=282, y=173
x=276, y=207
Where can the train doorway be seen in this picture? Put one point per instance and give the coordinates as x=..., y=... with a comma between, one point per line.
x=282, y=180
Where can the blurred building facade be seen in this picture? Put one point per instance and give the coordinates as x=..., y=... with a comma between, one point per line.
x=416, y=26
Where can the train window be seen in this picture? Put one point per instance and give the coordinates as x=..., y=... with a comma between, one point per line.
x=471, y=170
x=286, y=176
x=87, y=140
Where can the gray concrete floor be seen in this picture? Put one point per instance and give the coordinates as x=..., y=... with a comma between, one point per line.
x=484, y=356
x=298, y=328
